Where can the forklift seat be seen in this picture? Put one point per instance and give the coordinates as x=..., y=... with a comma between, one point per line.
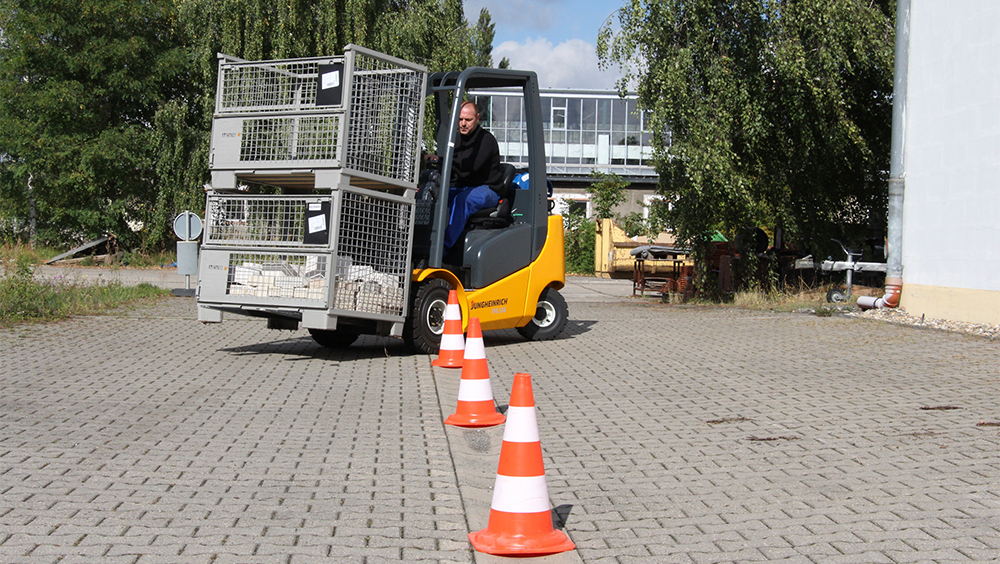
x=499, y=216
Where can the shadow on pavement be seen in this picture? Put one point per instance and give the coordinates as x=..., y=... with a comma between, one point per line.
x=366, y=347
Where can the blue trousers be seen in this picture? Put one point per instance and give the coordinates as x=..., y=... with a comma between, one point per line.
x=464, y=202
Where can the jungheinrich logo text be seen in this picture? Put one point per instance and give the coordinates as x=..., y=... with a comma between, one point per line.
x=488, y=303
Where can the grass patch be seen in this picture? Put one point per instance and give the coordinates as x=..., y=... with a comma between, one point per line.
x=24, y=299
x=134, y=259
x=798, y=300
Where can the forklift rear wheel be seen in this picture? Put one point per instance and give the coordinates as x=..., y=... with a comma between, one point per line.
x=334, y=339
x=425, y=324
x=550, y=318
x=836, y=296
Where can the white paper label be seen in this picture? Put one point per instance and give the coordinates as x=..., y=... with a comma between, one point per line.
x=331, y=80
x=317, y=223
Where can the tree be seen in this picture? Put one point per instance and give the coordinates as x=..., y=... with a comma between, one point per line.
x=765, y=112
x=107, y=106
x=482, y=39
x=80, y=83
x=606, y=192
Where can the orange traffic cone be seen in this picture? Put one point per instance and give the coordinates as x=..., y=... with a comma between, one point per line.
x=520, y=516
x=452, y=343
x=475, y=395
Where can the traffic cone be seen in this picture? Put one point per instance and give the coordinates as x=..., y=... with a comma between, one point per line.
x=452, y=343
x=475, y=395
x=520, y=515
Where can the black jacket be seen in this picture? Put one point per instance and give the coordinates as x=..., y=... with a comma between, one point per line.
x=476, y=161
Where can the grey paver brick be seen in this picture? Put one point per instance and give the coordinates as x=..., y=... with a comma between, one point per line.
x=158, y=439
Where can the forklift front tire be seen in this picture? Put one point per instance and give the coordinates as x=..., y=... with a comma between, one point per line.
x=423, y=328
x=550, y=318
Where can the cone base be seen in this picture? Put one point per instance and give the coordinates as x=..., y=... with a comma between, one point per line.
x=448, y=361
x=479, y=420
x=503, y=544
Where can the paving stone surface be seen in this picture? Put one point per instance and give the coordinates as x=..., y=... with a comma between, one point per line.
x=671, y=433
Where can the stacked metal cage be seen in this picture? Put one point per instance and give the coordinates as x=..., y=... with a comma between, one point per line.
x=338, y=236
x=269, y=122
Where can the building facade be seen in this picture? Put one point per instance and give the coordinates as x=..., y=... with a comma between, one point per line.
x=585, y=130
x=951, y=158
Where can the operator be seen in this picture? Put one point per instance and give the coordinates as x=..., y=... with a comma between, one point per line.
x=476, y=177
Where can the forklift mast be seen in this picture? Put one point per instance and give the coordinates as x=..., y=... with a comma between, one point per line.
x=450, y=90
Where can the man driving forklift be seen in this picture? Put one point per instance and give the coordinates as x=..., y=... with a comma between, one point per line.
x=476, y=177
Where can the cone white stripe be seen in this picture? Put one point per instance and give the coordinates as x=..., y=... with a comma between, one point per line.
x=453, y=311
x=475, y=349
x=475, y=390
x=452, y=342
x=517, y=494
x=522, y=425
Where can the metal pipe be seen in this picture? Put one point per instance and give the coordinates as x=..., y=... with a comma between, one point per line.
x=897, y=166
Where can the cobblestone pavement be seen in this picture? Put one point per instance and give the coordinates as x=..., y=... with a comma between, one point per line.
x=671, y=434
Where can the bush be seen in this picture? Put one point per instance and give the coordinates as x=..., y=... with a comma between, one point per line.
x=579, y=240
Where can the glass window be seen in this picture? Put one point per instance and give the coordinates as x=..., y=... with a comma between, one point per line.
x=546, y=113
x=514, y=106
x=498, y=113
x=558, y=118
x=483, y=103
x=573, y=114
x=589, y=115
x=618, y=116
x=633, y=119
x=604, y=115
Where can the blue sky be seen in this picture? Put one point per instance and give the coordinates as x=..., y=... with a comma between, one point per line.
x=555, y=38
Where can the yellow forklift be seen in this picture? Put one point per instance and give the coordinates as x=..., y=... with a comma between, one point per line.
x=316, y=217
x=509, y=264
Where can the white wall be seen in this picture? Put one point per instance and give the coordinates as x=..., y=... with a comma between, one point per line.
x=951, y=213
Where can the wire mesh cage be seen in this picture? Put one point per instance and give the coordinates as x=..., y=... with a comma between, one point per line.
x=270, y=115
x=278, y=275
x=289, y=139
x=373, y=247
x=269, y=239
x=262, y=221
x=383, y=135
x=268, y=86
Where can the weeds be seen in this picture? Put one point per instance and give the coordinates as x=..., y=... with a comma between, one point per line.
x=134, y=259
x=25, y=299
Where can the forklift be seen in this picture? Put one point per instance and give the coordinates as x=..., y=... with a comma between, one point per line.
x=315, y=216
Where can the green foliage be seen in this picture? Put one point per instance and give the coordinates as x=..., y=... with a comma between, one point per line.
x=606, y=192
x=580, y=239
x=80, y=83
x=765, y=112
x=106, y=106
x=633, y=224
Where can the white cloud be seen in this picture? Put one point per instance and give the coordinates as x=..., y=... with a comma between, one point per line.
x=571, y=64
x=529, y=15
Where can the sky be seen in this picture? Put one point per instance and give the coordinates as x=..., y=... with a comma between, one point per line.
x=555, y=38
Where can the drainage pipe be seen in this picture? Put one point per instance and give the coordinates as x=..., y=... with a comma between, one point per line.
x=897, y=169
